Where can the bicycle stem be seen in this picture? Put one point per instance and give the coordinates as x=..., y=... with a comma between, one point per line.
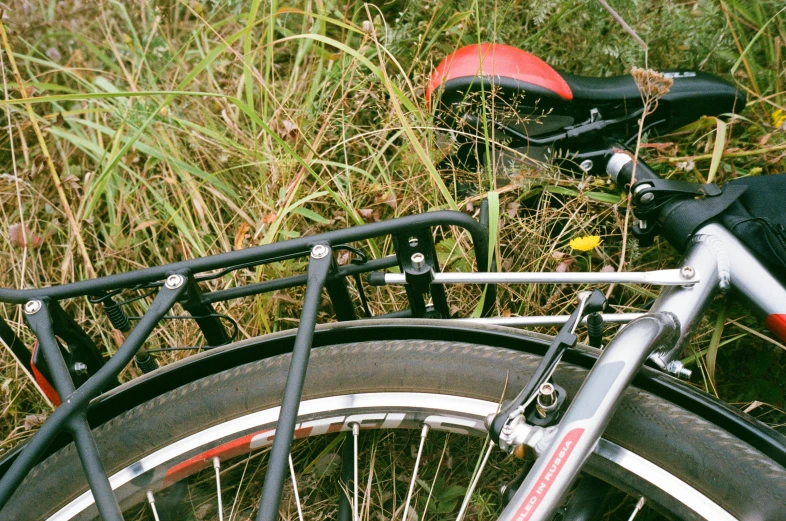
x=587, y=417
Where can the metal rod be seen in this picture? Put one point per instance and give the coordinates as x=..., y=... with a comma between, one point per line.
x=318, y=268
x=658, y=278
x=259, y=254
x=217, y=468
x=294, y=489
x=294, y=281
x=474, y=483
x=152, y=500
x=79, y=399
x=94, y=469
x=545, y=320
x=355, y=503
x=423, y=434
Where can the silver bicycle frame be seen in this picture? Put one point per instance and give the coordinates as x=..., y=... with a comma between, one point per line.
x=723, y=263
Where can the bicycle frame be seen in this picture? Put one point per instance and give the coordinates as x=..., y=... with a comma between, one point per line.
x=715, y=261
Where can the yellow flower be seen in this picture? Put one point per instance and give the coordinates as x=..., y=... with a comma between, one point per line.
x=778, y=118
x=586, y=243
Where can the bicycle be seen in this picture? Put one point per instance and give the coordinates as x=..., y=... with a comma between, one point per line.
x=183, y=430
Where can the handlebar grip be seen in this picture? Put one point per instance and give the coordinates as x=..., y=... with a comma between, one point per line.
x=620, y=169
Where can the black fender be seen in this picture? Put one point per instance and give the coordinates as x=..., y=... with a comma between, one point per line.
x=134, y=393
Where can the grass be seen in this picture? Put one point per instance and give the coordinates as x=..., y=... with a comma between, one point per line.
x=181, y=129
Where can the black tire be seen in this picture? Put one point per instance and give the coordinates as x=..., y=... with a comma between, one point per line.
x=725, y=469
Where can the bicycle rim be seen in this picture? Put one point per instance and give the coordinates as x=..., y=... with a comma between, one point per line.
x=237, y=441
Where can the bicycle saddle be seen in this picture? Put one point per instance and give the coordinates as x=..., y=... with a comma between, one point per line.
x=529, y=102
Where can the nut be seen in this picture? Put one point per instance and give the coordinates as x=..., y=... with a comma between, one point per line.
x=174, y=281
x=32, y=307
x=320, y=251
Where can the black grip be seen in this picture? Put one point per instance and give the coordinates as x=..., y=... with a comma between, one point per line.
x=376, y=278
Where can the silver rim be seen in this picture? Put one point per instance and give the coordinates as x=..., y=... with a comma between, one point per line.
x=368, y=410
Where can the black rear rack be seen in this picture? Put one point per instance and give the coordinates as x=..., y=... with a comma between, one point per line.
x=415, y=256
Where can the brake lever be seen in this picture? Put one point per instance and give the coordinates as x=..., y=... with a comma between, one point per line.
x=589, y=302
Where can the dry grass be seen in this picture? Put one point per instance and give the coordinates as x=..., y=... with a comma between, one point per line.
x=181, y=129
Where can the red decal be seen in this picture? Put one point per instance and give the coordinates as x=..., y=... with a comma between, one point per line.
x=202, y=461
x=777, y=324
x=42, y=382
x=532, y=501
x=494, y=59
x=228, y=450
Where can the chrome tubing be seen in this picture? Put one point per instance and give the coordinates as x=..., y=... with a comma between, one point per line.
x=672, y=277
x=547, y=320
x=587, y=417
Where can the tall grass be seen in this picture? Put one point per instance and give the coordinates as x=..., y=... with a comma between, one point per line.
x=182, y=129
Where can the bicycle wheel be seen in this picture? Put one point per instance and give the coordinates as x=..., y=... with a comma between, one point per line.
x=685, y=467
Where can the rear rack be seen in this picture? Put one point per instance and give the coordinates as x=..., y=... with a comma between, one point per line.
x=80, y=374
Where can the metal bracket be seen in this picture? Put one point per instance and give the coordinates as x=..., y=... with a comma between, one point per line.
x=417, y=259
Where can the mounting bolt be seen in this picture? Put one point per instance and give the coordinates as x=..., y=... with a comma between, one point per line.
x=80, y=368
x=32, y=307
x=586, y=165
x=319, y=251
x=418, y=260
x=687, y=272
x=647, y=198
x=174, y=281
x=546, y=400
x=676, y=368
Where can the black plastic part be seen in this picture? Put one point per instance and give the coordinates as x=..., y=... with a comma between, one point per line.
x=588, y=500
x=509, y=490
x=419, y=277
x=116, y=314
x=595, y=330
x=145, y=362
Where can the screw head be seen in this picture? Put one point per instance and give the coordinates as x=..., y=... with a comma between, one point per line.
x=80, y=368
x=687, y=272
x=319, y=251
x=418, y=260
x=174, y=281
x=647, y=198
x=586, y=165
x=32, y=307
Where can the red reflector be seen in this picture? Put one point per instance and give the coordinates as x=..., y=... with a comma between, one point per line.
x=42, y=382
x=777, y=324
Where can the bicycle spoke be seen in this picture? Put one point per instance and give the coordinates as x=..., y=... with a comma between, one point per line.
x=423, y=434
x=355, y=435
x=294, y=488
x=217, y=467
x=637, y=508
x=474, y=483
x=152, y=501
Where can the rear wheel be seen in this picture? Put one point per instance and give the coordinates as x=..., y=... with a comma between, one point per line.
x=684, y=466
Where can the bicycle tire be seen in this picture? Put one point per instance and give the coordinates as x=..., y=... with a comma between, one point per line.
x=725, y=469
